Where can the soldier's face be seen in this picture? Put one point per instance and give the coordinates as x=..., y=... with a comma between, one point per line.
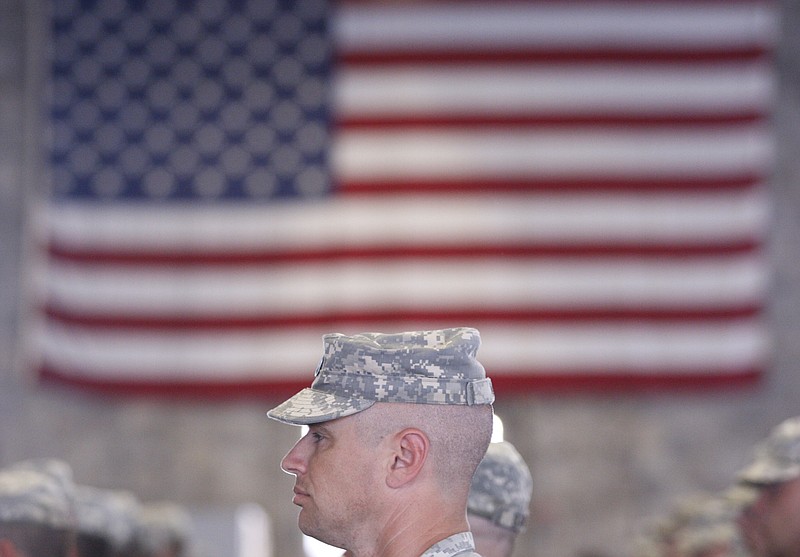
x=751, y=532
x=336, y=475
x=774, y=520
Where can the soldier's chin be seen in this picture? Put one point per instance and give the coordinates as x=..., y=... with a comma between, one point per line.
x=306, y=525
x=312, y=533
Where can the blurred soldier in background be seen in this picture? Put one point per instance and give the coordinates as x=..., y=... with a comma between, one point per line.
x=398, y=423
x=163, y=530
x=92, y=529
x=700, y=525
x=660, y=536
x=106, y=522
x=43, y=513
x=37, y=512
x=710, y=528
x=771, y=525
x=499, y=500
x=653, y=541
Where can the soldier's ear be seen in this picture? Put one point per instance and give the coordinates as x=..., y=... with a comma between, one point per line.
x=409, y=454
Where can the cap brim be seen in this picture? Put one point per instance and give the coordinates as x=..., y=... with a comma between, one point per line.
x=765, y=471
x=310, y=406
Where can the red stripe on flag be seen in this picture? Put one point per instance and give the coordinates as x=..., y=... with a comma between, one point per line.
x=506, y=385
x=510, y=120
x=544, y=382
x=543, y=56
x=627, y=184
x=72, y=254
x=399, y=315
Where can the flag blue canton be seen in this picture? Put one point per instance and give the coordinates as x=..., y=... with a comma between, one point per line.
x=189, y=100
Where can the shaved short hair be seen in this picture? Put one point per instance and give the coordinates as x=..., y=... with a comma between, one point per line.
x=459, y=435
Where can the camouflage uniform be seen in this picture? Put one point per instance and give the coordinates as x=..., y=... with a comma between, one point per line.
x=458, y=544
x=710, y=523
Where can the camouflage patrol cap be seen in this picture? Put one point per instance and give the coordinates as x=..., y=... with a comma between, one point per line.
x=424, y=367
x=56, y=468
x=30, y=495
x=740, y=495
x=501, y=488
x=777, y=458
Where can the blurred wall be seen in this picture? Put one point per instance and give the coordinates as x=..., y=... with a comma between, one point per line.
x=601, y=464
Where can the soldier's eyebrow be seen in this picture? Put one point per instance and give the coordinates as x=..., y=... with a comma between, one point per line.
x=320, y=428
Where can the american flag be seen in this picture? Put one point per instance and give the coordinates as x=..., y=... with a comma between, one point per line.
x=585, y=182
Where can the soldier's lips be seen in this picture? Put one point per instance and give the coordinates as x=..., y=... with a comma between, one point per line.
x=299, y=495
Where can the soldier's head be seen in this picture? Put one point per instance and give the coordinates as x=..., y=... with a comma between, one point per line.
x=771, y=523
x=387, y=411
x=499, y=500
x=37, y=509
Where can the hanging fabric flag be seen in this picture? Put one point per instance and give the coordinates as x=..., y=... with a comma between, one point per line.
x=587, y=183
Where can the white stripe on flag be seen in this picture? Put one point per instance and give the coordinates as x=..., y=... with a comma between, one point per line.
x=491, y=89
x=364, y=155
x=633, y=26
x=645, y=219
x=407, y=285
x=286, y=355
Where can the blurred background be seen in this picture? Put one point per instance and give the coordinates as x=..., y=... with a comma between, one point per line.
x=193, y=192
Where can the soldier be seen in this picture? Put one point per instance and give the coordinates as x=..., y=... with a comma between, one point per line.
x=92, y=523
x=710, y=529
x=164, y=530
x=771, y=525
x=397, y=426
x=37, y=512
x=657, y=538
x=106, y=522
x=660, y=537
x=499, y=500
